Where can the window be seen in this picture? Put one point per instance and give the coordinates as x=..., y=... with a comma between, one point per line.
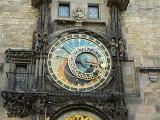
x=64, y=10
x=93, y=11
x=20, y=77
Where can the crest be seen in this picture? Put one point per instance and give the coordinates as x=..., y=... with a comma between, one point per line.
x=79, y=14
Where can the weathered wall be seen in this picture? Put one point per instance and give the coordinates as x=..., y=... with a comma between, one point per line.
x=141, y=23
x=17, y=22
x=141, y=27
x=104, y=11
x=93, y=24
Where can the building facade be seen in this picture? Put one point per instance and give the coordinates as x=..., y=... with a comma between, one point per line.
x=33, y=53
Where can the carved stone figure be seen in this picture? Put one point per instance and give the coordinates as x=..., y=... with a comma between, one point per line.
x=79, y=14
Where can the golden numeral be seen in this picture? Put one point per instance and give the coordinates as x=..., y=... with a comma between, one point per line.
x=79, y=117
x=69, y=119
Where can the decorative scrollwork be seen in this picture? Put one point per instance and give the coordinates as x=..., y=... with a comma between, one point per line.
x=16, y=104
x=17, y=53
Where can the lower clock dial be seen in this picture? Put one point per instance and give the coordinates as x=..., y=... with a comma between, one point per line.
x=79, y=62
x=79, y=115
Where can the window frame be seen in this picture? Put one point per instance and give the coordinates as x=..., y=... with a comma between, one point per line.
x=69, y=12
x=25, y=76
x=93, y=5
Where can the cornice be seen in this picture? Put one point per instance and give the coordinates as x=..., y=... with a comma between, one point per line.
x=122, y=4
x=38, y=3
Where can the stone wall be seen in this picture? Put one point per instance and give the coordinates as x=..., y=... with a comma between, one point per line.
x=141, y=28
x=17, y=22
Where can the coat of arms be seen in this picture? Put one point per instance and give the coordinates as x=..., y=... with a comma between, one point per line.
x=79, y=14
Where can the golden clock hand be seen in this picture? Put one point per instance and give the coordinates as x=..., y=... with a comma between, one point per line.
x=90, y=62
x=96, y=64
x=83, y=65
x=104, y=65
x=79, y=61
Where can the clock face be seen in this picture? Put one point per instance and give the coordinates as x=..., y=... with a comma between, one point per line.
x=79, y=62
x=79, y=115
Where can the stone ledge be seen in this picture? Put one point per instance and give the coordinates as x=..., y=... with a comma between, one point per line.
x=146, y=109
x=148, y=69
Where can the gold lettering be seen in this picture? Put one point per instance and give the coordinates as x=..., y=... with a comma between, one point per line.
x=69, y=119
x=79, y=117
x=88, y=118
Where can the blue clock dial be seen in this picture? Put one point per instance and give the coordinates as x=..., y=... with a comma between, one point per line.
x=84, y=62
x=79, y=62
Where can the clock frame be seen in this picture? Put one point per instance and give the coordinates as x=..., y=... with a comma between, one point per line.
x=62, y=63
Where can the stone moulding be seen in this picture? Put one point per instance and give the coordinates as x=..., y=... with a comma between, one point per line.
x=149, y=69
x=38, y=3
x=22, y=104
x=122, y=4
x=17, y=54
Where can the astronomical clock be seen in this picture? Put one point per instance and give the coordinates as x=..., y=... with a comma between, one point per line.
x=72, y=74
x=79, y=63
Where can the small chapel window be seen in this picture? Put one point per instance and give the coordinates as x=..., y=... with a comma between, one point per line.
x=20, y=77
x=64, y=10
x=93, y=11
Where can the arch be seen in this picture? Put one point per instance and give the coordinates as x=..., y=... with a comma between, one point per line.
x=99, y=35
x=88, y=108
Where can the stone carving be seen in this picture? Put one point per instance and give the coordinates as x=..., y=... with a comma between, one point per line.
x=23, y=104
x=153, y=76
x=105, y=102
x=11, y=54
x=41, y=40
x=16, y=104
x=79, y=14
